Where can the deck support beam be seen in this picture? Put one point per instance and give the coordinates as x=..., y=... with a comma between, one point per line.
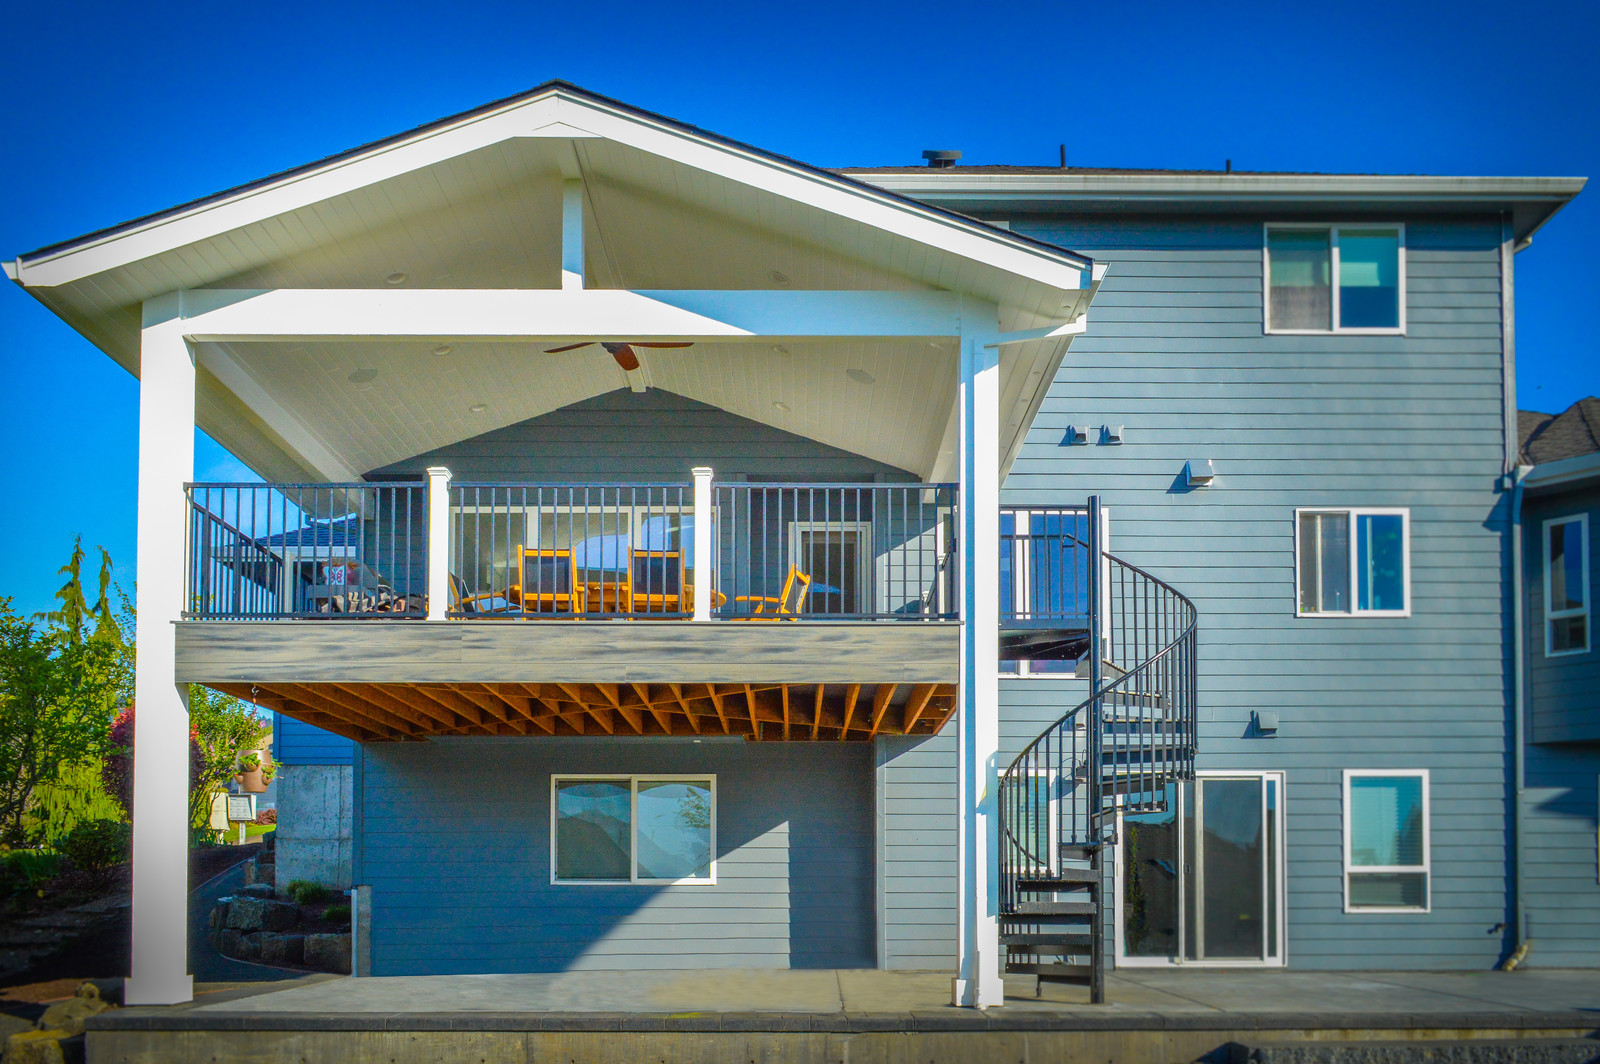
x=978, y=982
x=160, y=974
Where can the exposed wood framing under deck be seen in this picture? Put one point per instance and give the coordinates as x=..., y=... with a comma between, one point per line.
x=401, y=712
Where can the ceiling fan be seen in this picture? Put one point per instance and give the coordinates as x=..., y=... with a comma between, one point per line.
x=621, y=351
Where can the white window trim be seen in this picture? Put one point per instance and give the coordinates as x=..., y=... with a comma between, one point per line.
x=1281, y=869
x=1333, y=248
x=1582, y=521
x=867, y=592
x=1425, y=868
x=1352, y=513
x=633, y=782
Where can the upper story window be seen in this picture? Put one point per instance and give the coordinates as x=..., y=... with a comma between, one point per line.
x=1566, y=585
x=1353, y=563
x=1335, y=278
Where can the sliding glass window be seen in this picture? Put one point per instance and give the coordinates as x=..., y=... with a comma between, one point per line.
x=1329, y=278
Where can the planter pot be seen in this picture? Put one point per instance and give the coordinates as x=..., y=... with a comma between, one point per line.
x=251, y=782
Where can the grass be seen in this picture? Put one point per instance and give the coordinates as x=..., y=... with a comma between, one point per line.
x=255, y=831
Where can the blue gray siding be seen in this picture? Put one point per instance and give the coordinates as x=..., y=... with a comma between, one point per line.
x=648, y=437
x=1176, y=353
x=297, y=743
x=1561, y=878
x=1563, y=693
x=455, y=842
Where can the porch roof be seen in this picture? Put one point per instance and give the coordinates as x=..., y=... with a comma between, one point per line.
x=476, y=202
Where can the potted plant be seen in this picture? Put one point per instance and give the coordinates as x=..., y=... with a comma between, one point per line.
x=255, y=772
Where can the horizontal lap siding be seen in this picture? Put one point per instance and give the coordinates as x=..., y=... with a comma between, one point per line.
x=917, y=851
x=455, y=842
x=297, y=743
x=1175, y=353
x=1561, y=877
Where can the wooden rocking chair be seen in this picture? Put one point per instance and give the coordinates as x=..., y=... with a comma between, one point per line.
x=783, y=608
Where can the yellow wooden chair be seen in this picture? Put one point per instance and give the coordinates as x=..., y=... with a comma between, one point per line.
x=783, y=608
x=654, y=583
x=547, y=581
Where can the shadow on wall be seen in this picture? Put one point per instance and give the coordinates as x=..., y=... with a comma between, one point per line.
x=455, y=841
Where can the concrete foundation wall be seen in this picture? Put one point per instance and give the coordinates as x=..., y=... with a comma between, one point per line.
x=316, y=809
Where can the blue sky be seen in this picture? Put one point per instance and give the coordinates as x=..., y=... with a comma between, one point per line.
x=114, y=111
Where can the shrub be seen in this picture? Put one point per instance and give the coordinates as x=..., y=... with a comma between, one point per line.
x=304, y=892
x=24, y=871
x=336, y=913
x=96, y=846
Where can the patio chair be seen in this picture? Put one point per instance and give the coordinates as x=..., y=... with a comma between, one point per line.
x=472, y=605
x=783, y=608
x=654, y=583
x=547, y=582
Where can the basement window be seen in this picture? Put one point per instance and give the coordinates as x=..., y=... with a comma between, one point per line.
x=1353, y=563
x=1566, y=586
x=608, y=830
x=1333, y=278
x=1386, y=858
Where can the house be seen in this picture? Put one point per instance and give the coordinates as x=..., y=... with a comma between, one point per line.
x=949, y=567
x=1558, y=700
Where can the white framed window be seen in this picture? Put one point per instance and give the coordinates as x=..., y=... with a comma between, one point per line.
x=1566, y=585
x=838, y=557
x=1353, y=562
x=1386, y=844
x=1319, y=278
x=609, y=830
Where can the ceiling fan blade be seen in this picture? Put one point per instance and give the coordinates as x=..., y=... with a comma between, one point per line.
x=675, y=343
x=569, y=347
x=624, y=356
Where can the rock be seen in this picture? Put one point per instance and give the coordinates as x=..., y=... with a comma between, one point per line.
x=228, y=941
x=328, y=953
x=249, y=947
x=279, y=916
x=250, y=877
x=219, y=915
x=35, y=1047
x=258, y=890
x=267, y=872
x=279, y=948
x=269, y=845
x=248, y=913
x=68, y=1016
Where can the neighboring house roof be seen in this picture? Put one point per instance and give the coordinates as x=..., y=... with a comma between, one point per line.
x=339, y=532
x=1551, y=437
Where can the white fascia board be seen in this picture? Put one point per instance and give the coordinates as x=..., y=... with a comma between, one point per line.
x=559, y=114
x=239, y=315
x=124, y=246
x=1566, y=472
x=932, y=185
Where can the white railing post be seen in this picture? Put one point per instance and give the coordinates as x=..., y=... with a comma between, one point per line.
x=160, y=973
x=703, y=562
x=438, y=542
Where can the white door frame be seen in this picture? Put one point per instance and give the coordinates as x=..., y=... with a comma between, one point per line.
x=1280, y=901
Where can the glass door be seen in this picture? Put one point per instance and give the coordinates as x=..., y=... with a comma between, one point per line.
x=1202, y=882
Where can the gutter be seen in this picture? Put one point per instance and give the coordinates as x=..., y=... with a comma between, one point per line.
x=1518, y=732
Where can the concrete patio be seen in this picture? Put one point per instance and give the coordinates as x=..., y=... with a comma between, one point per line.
x=1162, y=1014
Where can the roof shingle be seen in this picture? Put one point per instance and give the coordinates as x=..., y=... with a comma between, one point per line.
x=1551, y=437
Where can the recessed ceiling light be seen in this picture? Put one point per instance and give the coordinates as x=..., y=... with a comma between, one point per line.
x=779, y=278
x=364, y=376
x=860, y=376
x=442, y=349
x=478, y=408
x=395, y=278
x=781, y=406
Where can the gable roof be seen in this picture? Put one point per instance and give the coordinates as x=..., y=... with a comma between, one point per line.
x=1544, y=438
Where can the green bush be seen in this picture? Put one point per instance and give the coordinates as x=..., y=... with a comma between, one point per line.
x=336, y=913
x=77, y=794
x=23, y=872
x=304, y=892
x=96, y=846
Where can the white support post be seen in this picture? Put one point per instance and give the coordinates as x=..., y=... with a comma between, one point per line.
x=978, y=981
x=160, y=974
x=438, y=542
x=703, y=561
x=572, y=234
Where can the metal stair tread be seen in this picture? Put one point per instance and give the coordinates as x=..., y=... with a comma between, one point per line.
x=1058, y=939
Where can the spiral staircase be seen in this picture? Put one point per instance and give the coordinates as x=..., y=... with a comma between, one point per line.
x=1116, y=752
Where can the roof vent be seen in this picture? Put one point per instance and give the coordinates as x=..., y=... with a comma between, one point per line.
x=941, y=160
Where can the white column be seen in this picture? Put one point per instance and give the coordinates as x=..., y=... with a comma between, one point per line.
x=438, y=542
x=704, y=563
x=977, y=983
x=572, y=234
x=160, y=973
